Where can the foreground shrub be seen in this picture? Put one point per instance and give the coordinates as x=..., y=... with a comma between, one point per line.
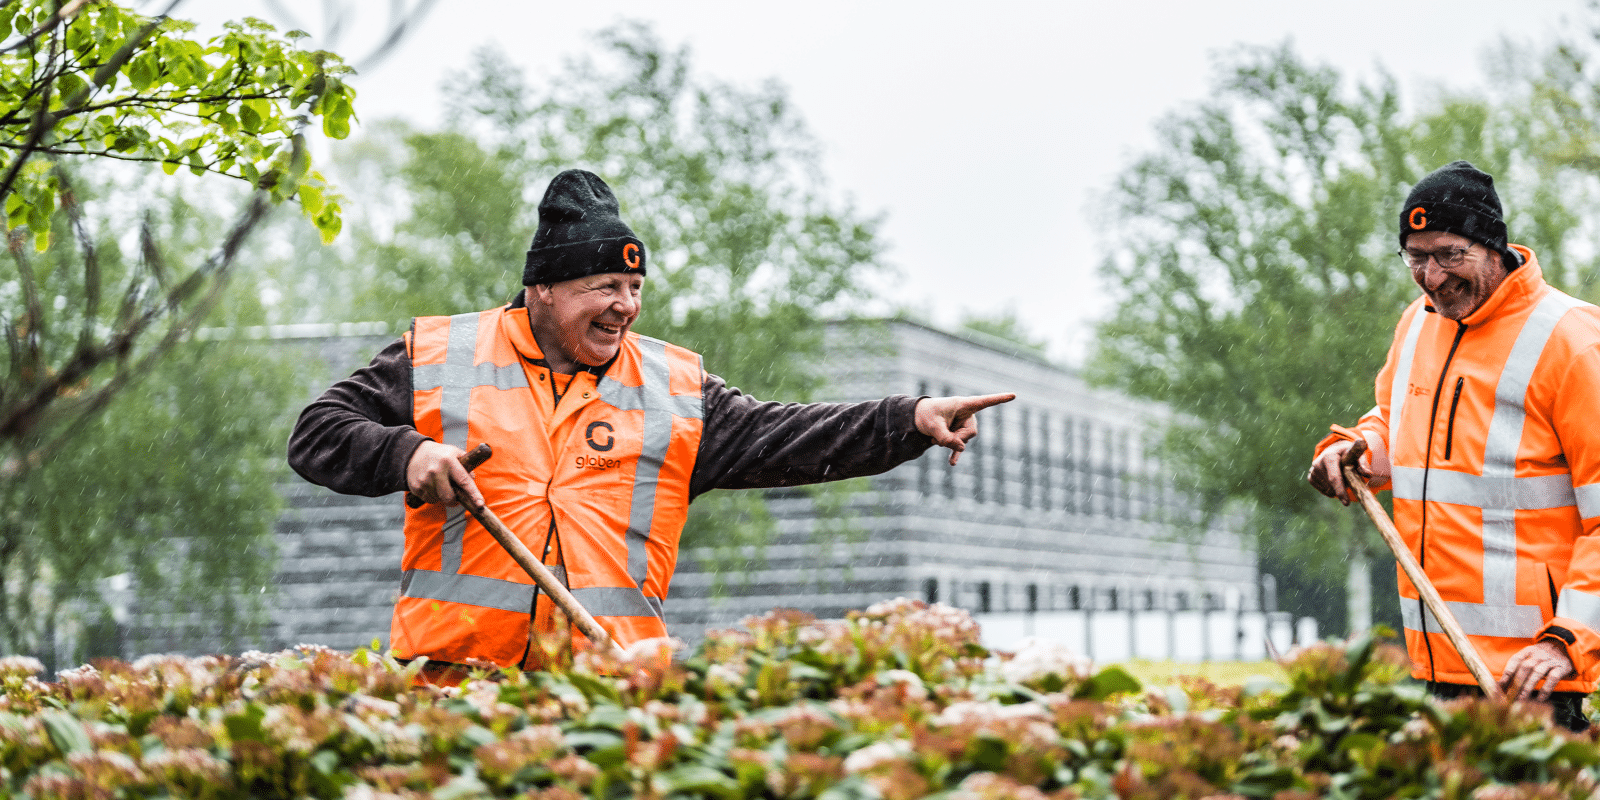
x=896, y=702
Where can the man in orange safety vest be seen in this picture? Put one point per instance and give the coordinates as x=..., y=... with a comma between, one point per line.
x=1485, y=432
x=601, y=438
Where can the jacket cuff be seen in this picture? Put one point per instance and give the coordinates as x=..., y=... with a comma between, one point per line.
x=903, y=417
x=405, y=444
x=1566, y=632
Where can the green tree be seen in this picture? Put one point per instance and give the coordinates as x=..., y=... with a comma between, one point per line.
x=748, y=253
x=93, y=83
x=1257, y=287
x=124, y=447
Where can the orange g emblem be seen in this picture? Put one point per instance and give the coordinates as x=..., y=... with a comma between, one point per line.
x=630, y=255
x=1419, y=218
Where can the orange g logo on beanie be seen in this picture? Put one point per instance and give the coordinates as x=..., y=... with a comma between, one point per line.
x=630, y=255
x=1419, y=218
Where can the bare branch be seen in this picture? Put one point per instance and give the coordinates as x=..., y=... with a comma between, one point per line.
x=212, y=274
x=399, y=26
x=91, y=259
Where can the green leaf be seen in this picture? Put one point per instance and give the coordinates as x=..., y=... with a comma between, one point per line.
x=1111, y=680
x=696, y=780
x=66, y=732
x=310, y=199
x=246, y=726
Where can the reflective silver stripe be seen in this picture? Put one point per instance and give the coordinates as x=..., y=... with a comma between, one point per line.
x=1502, y=443
x=473, y=590
x=1375, y=412
x=469, y=589
x=1581, y=606
x=458, y=376
x=617, y=601
x=659, y=405
x=1477, y=619
x=1461, y=488
x=1588, y=498
x=1402, y=377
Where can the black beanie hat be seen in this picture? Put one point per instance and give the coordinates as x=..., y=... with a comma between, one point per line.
x=1458, y=198
x=580, y=233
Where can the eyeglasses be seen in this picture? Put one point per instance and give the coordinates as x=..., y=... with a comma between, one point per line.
x=1446, y=259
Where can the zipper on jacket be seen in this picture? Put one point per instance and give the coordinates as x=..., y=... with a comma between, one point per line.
x=1450, y=427
x=1427, y=465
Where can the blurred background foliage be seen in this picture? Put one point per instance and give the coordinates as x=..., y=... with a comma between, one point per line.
x=1251, y=253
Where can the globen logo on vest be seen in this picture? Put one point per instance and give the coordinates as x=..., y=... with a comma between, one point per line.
x=600, y=439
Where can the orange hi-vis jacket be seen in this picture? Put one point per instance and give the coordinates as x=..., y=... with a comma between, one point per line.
x=598, y=482
x=1492, y=431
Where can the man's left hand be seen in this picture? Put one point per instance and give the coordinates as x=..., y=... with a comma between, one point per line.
x=1539, y=663
x=952, y=421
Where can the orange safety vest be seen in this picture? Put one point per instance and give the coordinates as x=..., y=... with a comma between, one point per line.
x=598, y=483
x=1490, y=427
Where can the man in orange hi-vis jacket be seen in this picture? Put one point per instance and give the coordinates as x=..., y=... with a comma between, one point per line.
x=1485, y=431
x=601, y=438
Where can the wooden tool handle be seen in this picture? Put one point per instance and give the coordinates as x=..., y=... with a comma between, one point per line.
x=542, y=576
x=470, y=459
x=1430, y=596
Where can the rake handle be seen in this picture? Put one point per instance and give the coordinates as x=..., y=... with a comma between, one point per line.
x=1413, y=570
x=519, y=552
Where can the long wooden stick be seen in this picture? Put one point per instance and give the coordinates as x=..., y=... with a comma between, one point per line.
x=541, y=575
x=1413, y=570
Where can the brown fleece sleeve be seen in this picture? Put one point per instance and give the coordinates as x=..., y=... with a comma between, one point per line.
x=357, y=438
x=749, y=444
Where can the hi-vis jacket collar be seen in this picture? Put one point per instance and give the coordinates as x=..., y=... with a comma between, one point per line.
x=1515, y=293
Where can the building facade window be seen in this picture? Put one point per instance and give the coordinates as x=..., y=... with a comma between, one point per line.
x=930, y=590
x=1046, y=466
x=983, y=597
x=999, y=461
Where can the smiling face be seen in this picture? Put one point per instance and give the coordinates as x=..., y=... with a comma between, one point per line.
x=580, y=323
x=1458, y=291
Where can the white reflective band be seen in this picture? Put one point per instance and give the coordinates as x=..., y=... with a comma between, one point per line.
x=1512, y=494
x=617, y=601
x=1376, y=413
x=660, y=406
x=1503, y=441
x=1581, y=606
x=473, y=590
x=1477, y=619
x=457, y=377
x=1588, y=500
x=1402, y=376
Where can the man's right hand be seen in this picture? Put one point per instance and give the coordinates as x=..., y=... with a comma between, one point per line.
x=433, y=469
x=1327, y=475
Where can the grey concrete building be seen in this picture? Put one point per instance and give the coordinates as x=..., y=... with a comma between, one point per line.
x=1057, y=508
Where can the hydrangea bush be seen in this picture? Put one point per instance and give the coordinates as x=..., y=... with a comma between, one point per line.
x=896, y=702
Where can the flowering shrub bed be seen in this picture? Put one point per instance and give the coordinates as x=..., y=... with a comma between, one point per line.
x=897, y=702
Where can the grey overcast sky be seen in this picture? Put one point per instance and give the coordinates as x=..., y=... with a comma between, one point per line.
x=984, y=131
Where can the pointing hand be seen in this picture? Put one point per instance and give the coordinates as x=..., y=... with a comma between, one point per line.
x=952, y=421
